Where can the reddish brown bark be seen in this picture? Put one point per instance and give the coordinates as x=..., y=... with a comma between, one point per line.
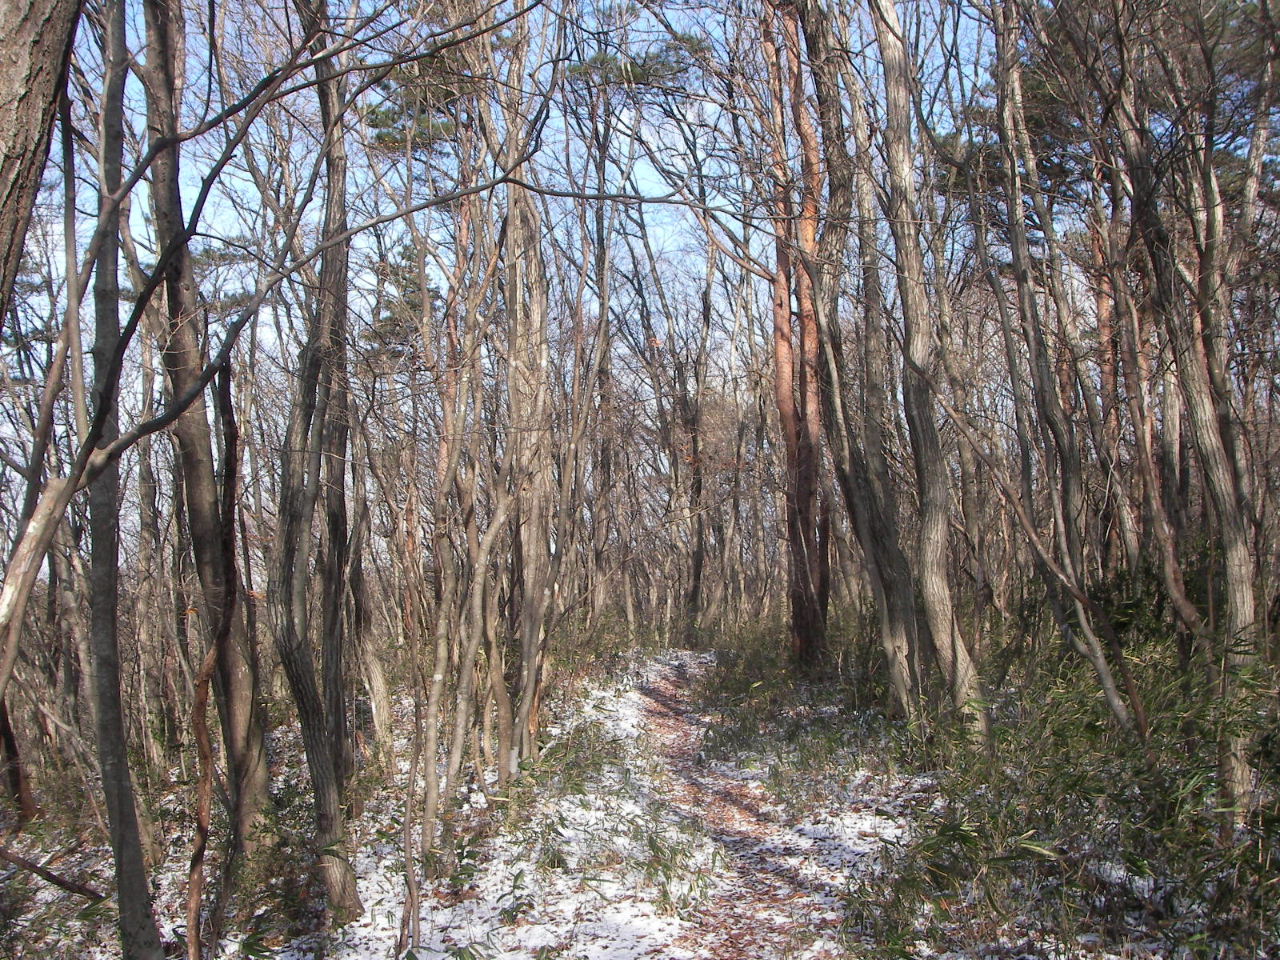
x=797, y=392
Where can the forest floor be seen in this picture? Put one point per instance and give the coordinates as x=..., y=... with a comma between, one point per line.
x=656, y=825
x=637, y=845
x=665, y=820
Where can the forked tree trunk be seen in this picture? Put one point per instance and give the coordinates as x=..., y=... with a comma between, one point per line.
x=795, y=359
x=302, y=470
x=1236, y=649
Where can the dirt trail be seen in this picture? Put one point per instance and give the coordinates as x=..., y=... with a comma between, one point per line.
x=772, y=897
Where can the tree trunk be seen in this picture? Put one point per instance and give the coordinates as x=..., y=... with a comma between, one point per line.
x=139, y=937
x=1061, y=455
x=32, y=70
x=15, y=771
x=795, y=380
x=243, y=721
x=919, y=363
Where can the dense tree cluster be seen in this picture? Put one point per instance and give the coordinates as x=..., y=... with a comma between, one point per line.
x=431, y=347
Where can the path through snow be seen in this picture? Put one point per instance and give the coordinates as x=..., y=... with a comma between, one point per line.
x=659, y=854
x=627, y=841
x=778, y=892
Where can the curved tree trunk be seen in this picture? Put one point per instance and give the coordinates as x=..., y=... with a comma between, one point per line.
x=919, y=362
x=302, y=471
x=243, y=723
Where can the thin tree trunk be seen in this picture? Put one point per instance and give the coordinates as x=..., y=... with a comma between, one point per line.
x=1187, y=334
x=243, y=722
x=1061, y=457
x=139, y=937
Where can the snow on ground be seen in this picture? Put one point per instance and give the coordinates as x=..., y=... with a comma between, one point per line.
x=626, y=842
x=655, y=854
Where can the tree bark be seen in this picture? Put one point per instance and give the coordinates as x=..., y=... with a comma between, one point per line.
x=32, y=71
x=1061, y=454
x=795, y=388
x=15, y=771
x=243, y=720
x=919, y=362
x=139, y=937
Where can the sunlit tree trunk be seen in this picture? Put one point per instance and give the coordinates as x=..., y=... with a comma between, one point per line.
x=919, y=367
x=795, y=355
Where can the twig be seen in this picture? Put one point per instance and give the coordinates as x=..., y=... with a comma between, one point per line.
x=70, y=886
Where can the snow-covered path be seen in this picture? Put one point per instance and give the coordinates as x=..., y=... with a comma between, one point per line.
x=639, y=834
x=775, y=891
x=657, y=853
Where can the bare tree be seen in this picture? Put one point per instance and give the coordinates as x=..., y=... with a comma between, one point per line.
x=138, y=934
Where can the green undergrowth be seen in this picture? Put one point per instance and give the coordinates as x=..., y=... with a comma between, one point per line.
x=1066, y=837
x=804, y=733
x=1070, y=833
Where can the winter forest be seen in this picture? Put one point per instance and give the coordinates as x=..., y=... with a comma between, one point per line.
x=669, y=478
